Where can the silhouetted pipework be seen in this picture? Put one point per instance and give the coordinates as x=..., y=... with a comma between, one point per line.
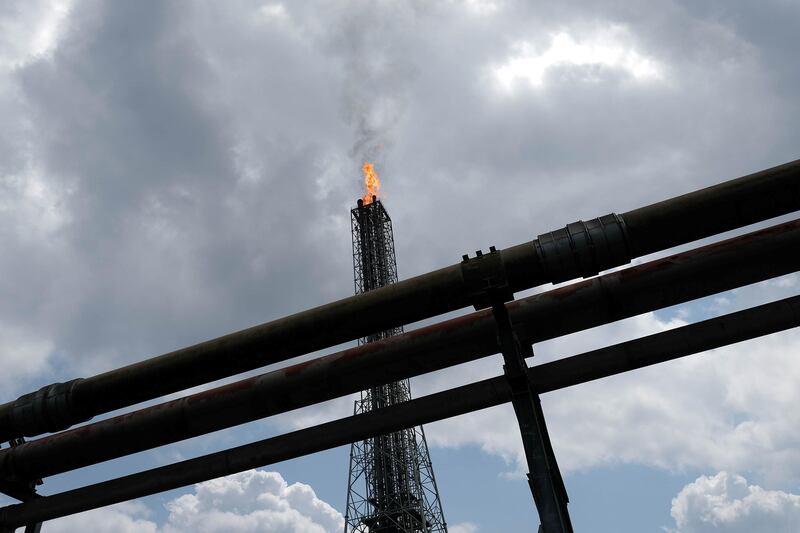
x=601, y=300
x=391, y=487
x=570, y=371
x=578, y=249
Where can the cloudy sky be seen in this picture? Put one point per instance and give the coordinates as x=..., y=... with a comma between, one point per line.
x=174, y=171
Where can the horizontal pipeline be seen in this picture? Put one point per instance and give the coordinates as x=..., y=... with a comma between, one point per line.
x=579, y=249
x=669, y=281
x=623, y=357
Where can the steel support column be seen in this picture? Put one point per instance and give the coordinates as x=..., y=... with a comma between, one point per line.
x=22, y=491
x=544, y=476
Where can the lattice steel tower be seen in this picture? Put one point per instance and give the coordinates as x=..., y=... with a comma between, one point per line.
x=391, y=487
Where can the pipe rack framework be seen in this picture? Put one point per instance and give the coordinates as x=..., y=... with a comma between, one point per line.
x=612, y=360
x=579, y=249
x=669, y=281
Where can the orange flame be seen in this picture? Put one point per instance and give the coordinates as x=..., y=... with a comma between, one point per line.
x=371, y=182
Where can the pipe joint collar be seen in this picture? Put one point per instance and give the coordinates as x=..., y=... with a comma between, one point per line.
x=51, y=408
x=583, y=249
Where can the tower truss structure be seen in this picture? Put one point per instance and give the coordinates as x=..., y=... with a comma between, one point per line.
x=391, y=485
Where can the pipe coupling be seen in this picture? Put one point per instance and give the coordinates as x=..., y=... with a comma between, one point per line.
x=583, y=249
x=485, y=279
x=51, y=408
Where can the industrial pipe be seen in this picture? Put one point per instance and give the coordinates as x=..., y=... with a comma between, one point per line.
x=650, y=350
x=579, y=249
x=672, y=280
x=716, y=209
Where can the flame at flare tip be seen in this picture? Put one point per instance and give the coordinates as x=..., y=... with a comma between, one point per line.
x=371, y=182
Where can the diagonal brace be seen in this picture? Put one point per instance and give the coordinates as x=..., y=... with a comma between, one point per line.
x=544, y=477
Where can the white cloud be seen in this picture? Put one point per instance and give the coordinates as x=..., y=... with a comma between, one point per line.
x=129, y=517
x=726, y=503
x=610, y=48
x=250, y=501
x=463, y=527
x=33, y=32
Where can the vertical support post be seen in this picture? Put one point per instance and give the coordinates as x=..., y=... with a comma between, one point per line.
x=23, y=491
x=544, y=477
x=486, y=278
